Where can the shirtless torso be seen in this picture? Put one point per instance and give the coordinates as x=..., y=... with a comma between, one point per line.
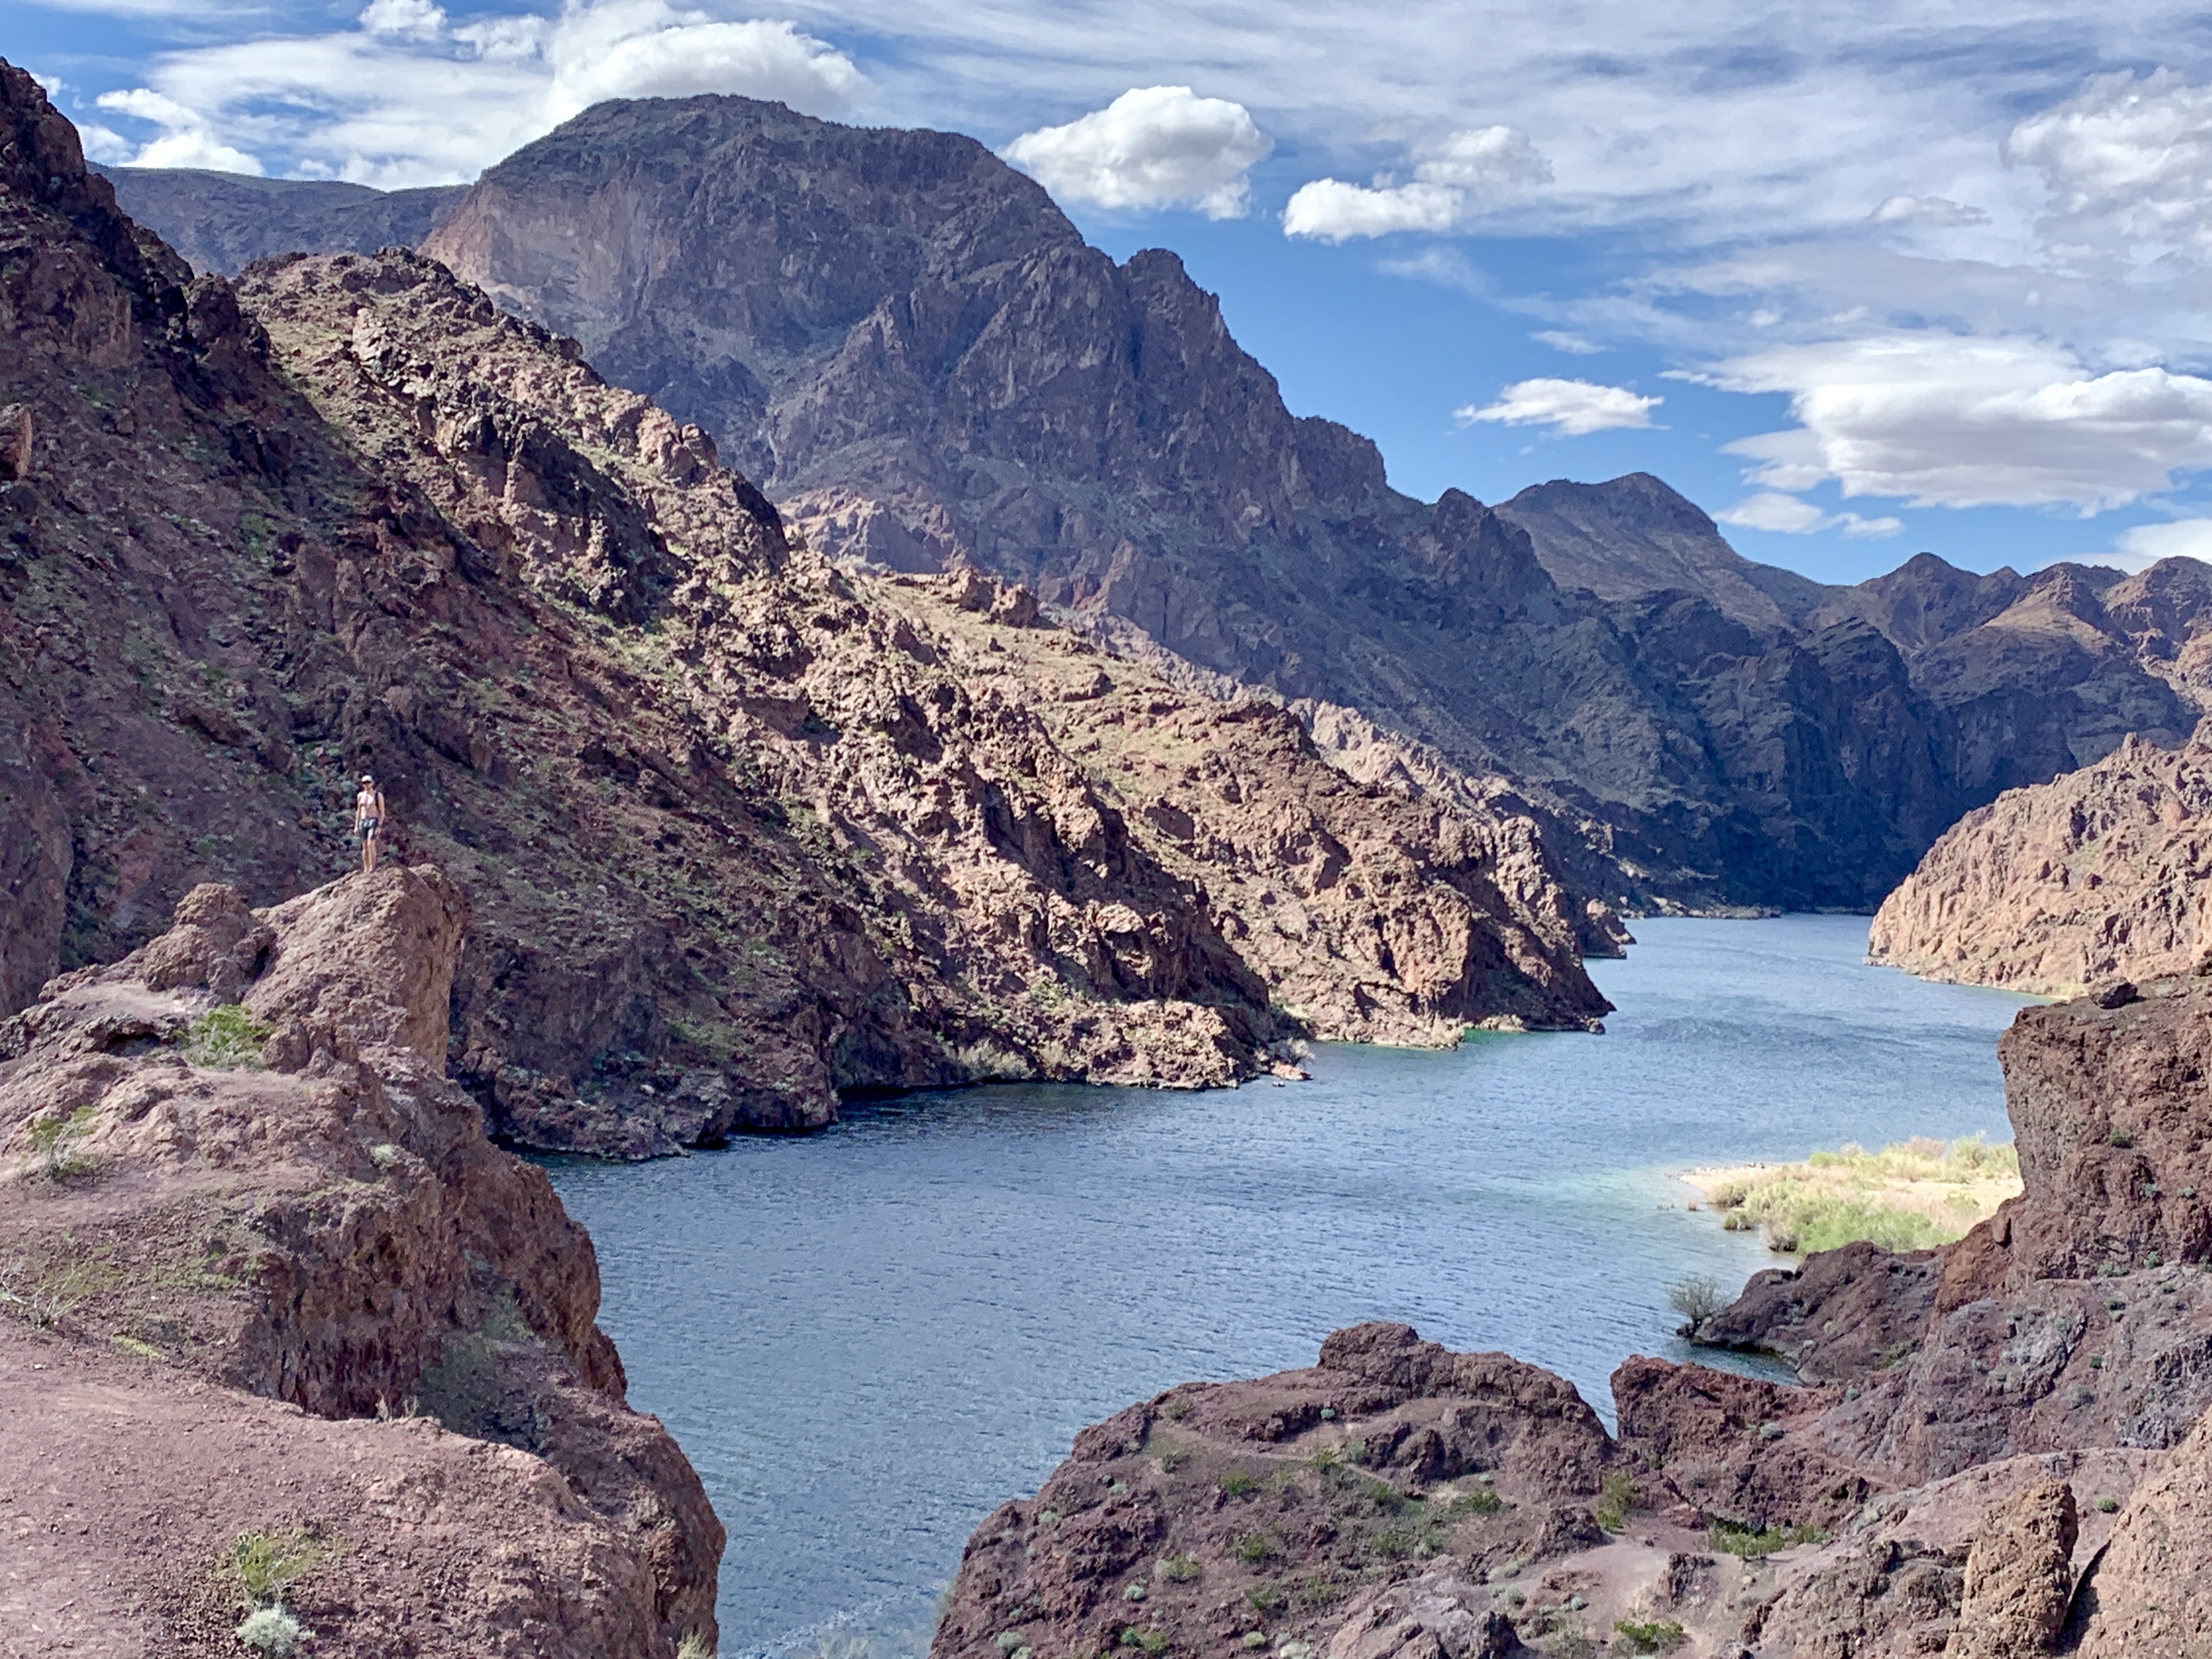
x=368, y=822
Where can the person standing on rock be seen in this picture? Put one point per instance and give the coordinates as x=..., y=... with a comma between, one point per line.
x=368, y=822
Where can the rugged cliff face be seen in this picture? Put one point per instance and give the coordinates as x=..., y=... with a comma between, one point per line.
x=221, y=223
x=1997, y=1451
x=740, y=831
x=235, y=1157
x=2096, y=876
x=908, y=347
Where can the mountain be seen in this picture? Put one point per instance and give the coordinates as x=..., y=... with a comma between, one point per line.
x=1632, y=537
x=221, y=222
x=910, y=350
x=740, y=831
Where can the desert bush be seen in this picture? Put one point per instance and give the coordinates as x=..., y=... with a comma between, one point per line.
x=55, y=1140
x=1647, y=1635
x=1616, y=1497
x=1697, y=1297
x=1728, y=1538
x=1253, y=1548
x=226, y=1039
x=267, y=1563
x=1910, y=1195
x=1177, y=1568
x=273, y=1631
x=1239, y=1483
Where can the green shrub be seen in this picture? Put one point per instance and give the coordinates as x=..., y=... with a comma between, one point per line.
x=1176, y=1569
x=226, y=1039
x=1264, y=1598
x=1151, y=1641
x=1647, y=1635
x=266, y=1564
x=2107, y=1505
x=1481, y=1501
x=54, y=1142
x=1616, y=1497
x=1237, y=1483
x=1253, y=1548
x=1727, y=1538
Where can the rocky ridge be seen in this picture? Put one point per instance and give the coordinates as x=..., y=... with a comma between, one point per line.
x=910, y=348
x=2097, y=876
x=1997, y=1449
x=737, y=833
x=252, y=1230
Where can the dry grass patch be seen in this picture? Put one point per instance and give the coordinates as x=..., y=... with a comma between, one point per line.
x=1911, y=1196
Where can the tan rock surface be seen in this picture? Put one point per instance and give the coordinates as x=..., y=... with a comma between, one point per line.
x=2020, y=1577
x=289, y=1202
x=2098, y=875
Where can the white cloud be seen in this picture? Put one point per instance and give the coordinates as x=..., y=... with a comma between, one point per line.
x=1152, y=147
x=1561, y=340
x=1570, y=408
x=410, y=20
x=184, y=139
x=1937, y=211
x=2145, y=545
x=2127, y=163
x=1951, y=421
x=1451, y=180
x=405, y=98
x=104, y=144
x=1788, y=516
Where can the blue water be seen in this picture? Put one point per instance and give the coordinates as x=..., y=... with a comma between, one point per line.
x=867, y=1339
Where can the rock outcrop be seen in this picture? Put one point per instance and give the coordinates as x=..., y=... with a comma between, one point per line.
x=740, y=831
x=1996, y=1448
x=221, y=223
x=2097, y=876
x=235, y=1157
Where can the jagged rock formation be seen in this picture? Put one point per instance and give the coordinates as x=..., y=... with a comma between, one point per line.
x=908, y=347
x=1994, y=1439
x=236, y=1156
x=2098, y=875
x=221, y=223
x=738, y=831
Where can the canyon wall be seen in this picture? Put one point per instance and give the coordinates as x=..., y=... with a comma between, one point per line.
x=2097, y=876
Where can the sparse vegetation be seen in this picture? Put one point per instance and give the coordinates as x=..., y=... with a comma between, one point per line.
x=1911, y=1195
x=1151, y=1641
x=267, y=1563
x=55, y=1140
x=1647, y=1635
x=1728, y=1538
x=273, y=1631
x=1697, y=1297
x=226, y=1039
x=2108, y=1506
x=1460, y=1505
x=1240, y=1483
x=1264, y=1598
x=1616, y=1497
x=1254, y=1548
x=693, y=1646
x=1176, y=1569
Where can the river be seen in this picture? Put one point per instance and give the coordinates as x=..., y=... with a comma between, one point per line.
x=867, y=1339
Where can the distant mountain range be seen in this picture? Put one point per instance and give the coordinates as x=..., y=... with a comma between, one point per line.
x=921, y=362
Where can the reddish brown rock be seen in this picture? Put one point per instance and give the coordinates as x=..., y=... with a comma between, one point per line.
x=2020, y=1577
x=2148, y=1594
x=2097, y=876
x=236, y=1155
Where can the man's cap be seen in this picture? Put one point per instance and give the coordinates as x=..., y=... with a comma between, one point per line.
x=365, y=778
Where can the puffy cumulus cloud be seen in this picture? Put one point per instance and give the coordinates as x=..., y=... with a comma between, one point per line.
x=1953, y=421
x=184, y=139
x=1937, y=211
x=1570, y=408
x=1786, y=515
x=2128, y=163
x=1152, y=147
x=1452, y=180
x=2145, y=545
x=406, y=98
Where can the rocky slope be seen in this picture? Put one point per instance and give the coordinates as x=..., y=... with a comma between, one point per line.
x=1996, y=1450
x=740, y=831
x=2098, y=875
x=252, y=1233
x=910, y=349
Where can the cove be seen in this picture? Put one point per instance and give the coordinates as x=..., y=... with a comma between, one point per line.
x=867, y=1339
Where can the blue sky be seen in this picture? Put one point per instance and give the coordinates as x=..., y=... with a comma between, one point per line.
x=1860, y=280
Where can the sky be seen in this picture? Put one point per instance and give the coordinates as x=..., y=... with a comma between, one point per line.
x=1858, y=279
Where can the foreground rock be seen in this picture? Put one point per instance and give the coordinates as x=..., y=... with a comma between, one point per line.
x=2097, y=876
x=1999, y=1448
x=250, y=1229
